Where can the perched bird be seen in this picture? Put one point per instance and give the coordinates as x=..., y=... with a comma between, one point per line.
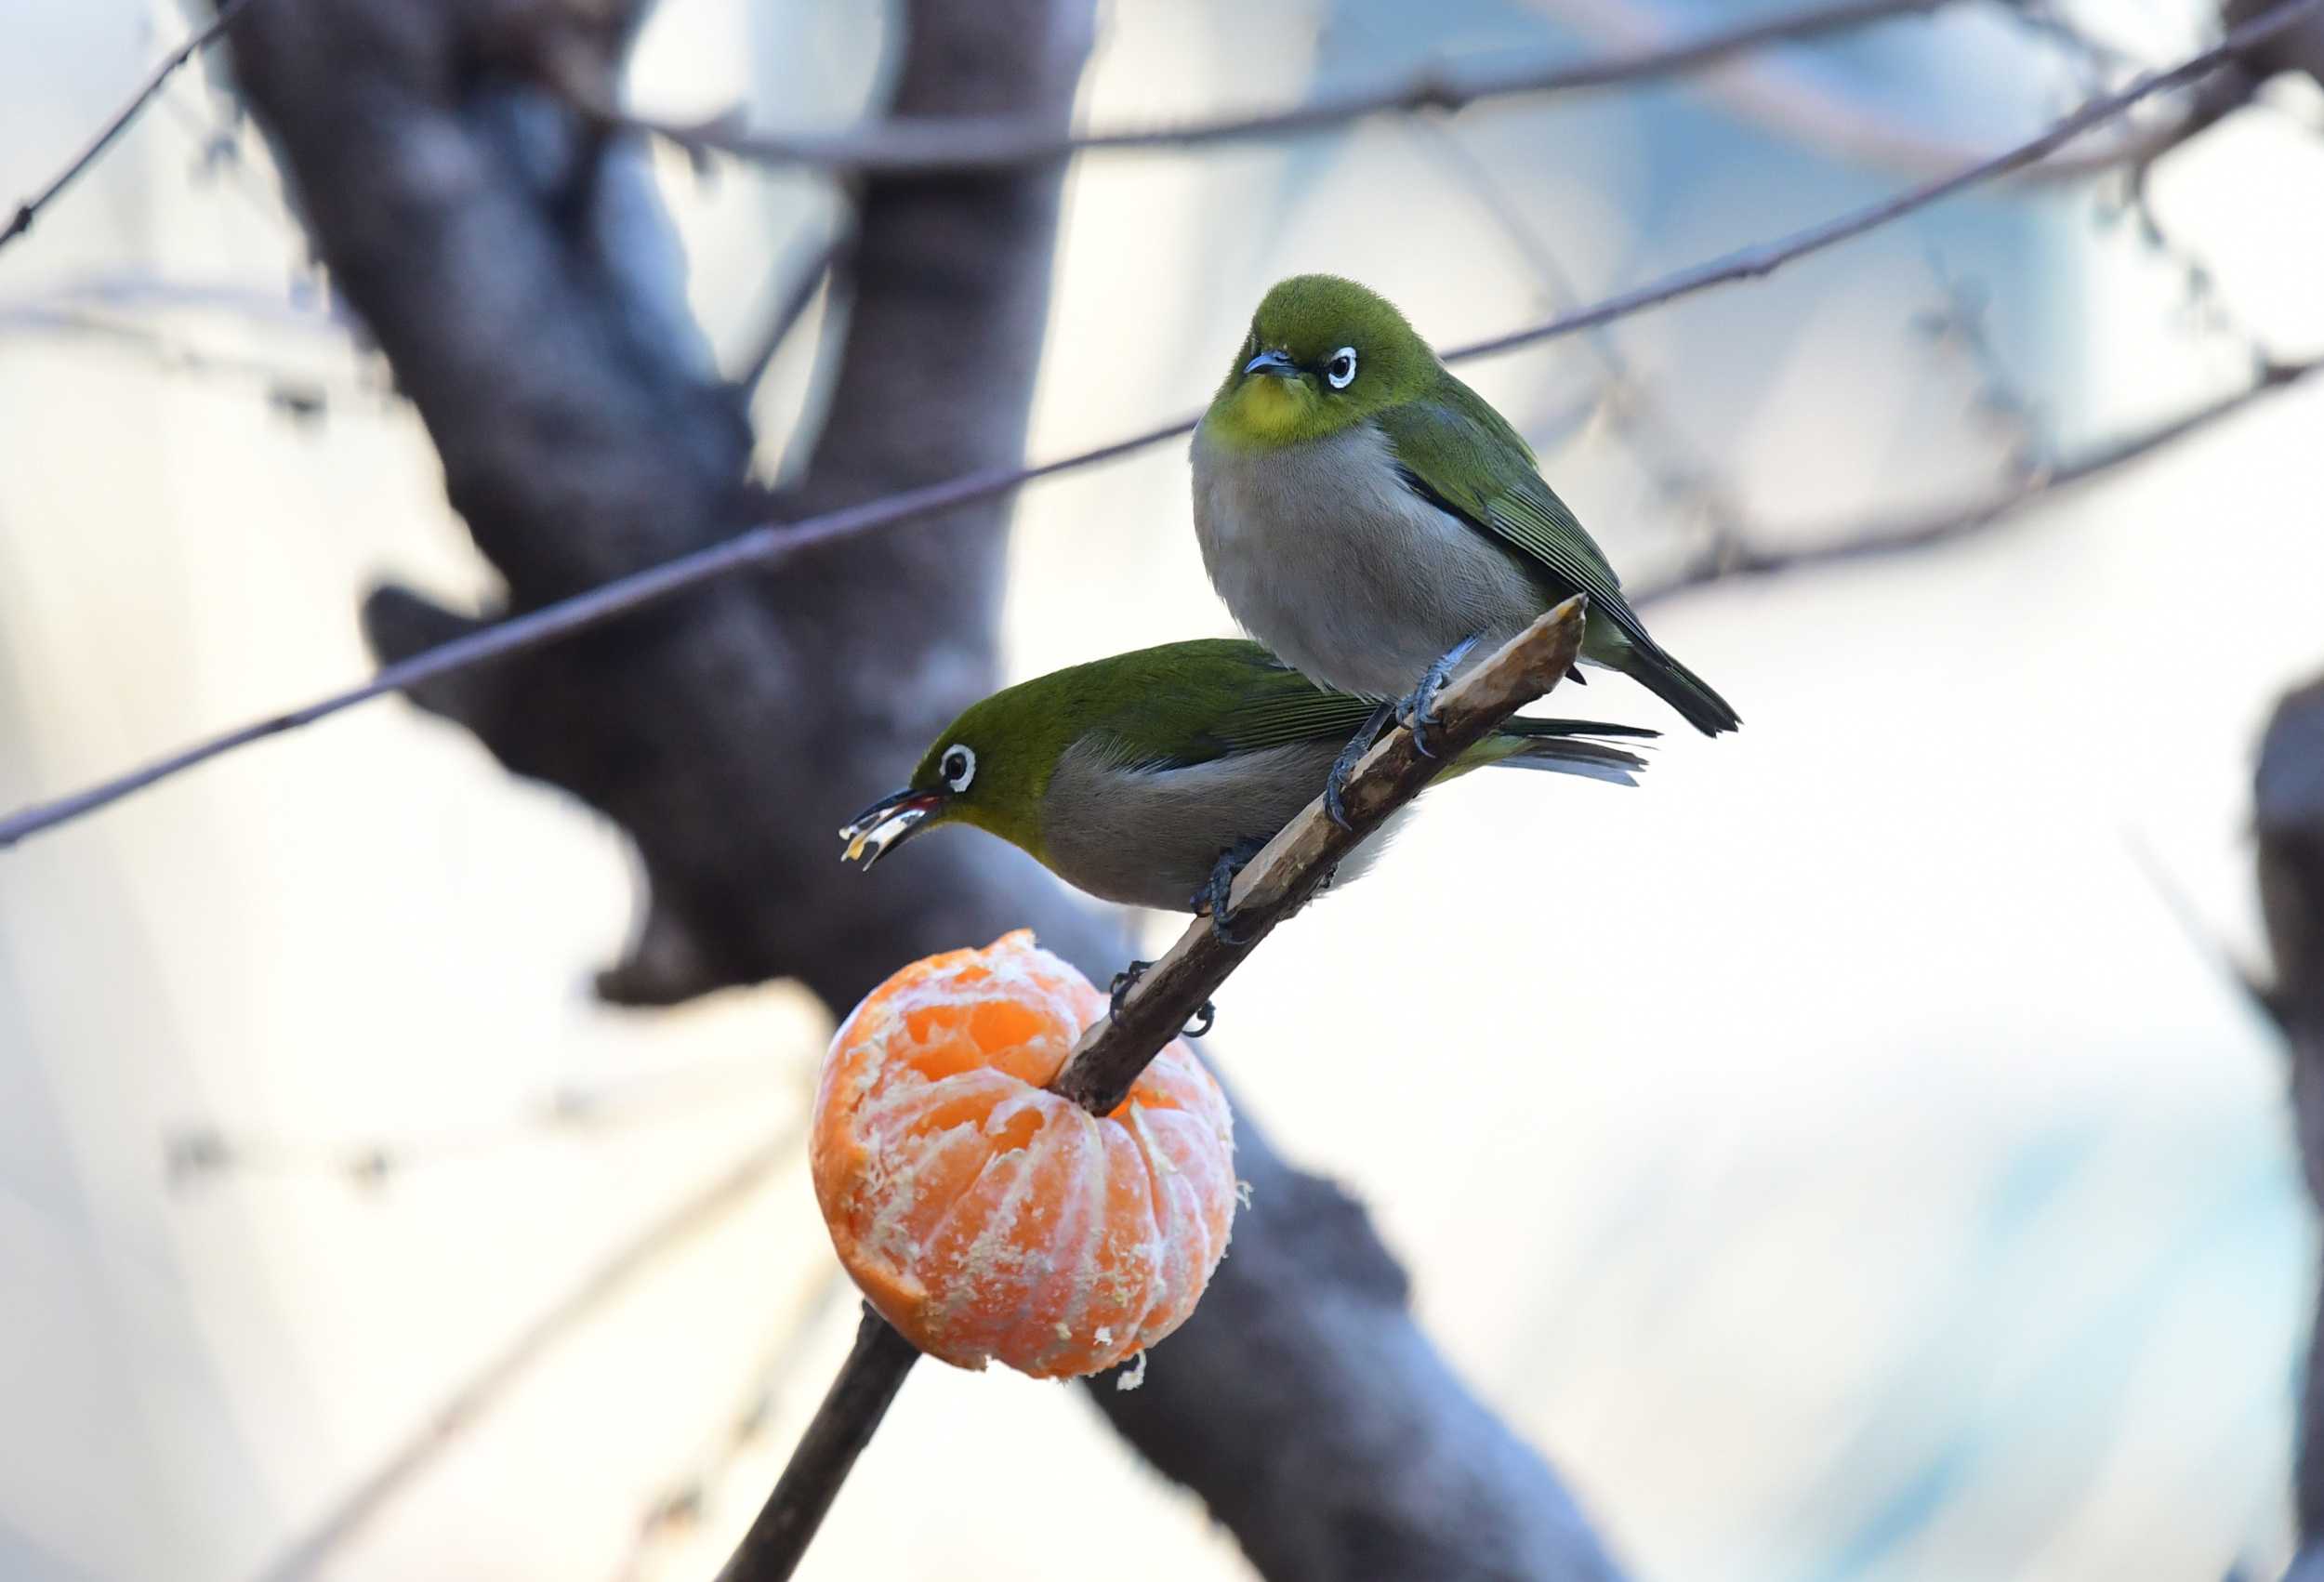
x=1369, y=518
x=1151, y=777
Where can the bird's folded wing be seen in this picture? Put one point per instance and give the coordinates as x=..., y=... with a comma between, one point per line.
x=1280, y=706
x=1463, y=457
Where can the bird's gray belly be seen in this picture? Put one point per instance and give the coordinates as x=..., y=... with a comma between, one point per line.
x=1322, y=552
x=1149, y=837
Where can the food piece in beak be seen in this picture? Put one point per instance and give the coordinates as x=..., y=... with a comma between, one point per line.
x=888, y=824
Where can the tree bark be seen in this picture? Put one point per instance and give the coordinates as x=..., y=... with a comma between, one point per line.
x=517, y=270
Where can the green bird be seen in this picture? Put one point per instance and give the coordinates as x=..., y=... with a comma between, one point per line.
x=1151, y=777
x=1369, y=518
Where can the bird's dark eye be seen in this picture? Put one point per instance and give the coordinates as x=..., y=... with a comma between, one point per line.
x=1340, y=369
x=958, y=767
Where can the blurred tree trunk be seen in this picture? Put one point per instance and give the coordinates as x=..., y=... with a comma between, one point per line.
x=2288, y=806
x=519, y=276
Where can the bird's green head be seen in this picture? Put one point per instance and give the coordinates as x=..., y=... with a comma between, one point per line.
x=1323, y=354
x=988, y=768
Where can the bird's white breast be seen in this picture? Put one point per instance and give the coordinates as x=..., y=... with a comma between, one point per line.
x=1145, y=835
x=1324, y=553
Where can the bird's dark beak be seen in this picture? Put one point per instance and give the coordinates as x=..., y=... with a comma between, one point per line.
x=1277, y=362
x=888, y=824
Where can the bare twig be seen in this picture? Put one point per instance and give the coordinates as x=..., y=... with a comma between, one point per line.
x=1680, y=474
x=2207, y=310
x=700, y=1210
x=764, y=545
x=683, y=1501
x=29, y=210
x=772, y=543
x=1759, y=91
x=969, y=144
x=1752, y=263
x=851, y=1412
x=2138, y=146
x=1107, y=1061
x=1727, y=561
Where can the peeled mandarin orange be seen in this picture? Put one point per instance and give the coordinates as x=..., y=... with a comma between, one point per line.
x=989, y=1218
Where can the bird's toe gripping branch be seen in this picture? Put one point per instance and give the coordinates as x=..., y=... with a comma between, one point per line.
x=1350, y=756
x=1125, y=980
x=1215, y=897
x=1205, y=1018
x=1417, y=711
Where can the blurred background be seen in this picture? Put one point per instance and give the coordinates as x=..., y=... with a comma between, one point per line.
x=1901, y=1186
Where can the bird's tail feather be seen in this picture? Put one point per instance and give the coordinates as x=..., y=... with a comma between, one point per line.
x=1566, y=747
x=1681, y=689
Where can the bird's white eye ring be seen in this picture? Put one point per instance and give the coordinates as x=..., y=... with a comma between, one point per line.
x=1340, y=369
x=959, y=765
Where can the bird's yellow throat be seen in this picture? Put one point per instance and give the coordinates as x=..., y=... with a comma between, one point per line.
x=1270, y=412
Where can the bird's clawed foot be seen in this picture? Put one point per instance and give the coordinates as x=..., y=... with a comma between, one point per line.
x=1418, y=712
x=1214, y=896
x=1206, y=1017
x=1123, y=982
x=1350, y=756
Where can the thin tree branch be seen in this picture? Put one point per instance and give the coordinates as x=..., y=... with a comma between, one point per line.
x=1728, y=562
x=1754, y=263
x=2220, y=96
x=966, y=145
x=1107, y=1061
x=29, y=210
x=1637, y=414
x=770, y=544
x=842, y=1426
x=1759, y=91
x=684, y=1500
x=765, y=544
x=306, y=1556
